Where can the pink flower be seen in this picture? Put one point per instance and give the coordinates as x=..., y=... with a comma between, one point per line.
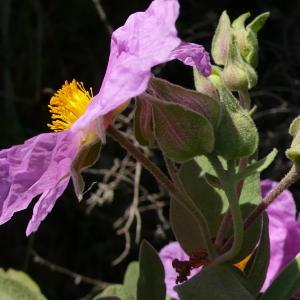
x=44, y=164
x=284, y=231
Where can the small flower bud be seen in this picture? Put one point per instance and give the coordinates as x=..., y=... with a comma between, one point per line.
x=221, y=40
x=246, y=37
x=293, y=153
x=238, y=74
x=204, y=86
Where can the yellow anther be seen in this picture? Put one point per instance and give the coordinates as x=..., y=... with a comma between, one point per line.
x=68, y=104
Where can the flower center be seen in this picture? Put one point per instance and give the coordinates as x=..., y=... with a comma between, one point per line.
x=68, y=104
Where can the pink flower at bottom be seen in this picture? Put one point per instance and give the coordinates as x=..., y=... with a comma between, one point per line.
x=284, y=232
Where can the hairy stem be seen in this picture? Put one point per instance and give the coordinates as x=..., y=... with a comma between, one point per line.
x=291, y=177
x=227, y=217
x=139, y=156
x=228, y=183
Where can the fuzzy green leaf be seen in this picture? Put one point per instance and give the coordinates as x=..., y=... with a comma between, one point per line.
x=131, y=279
x=151, y=284
x=258, y=166
x=259, y=262
x=215, y=283
x=113, y=291
x=16, y=285
x=209, y=201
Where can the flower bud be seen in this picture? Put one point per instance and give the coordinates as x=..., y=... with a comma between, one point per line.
x=237, y=134
x=221, y=40
x=246, y=37
x=204, y=86
x=293, y=153
x=238, y=74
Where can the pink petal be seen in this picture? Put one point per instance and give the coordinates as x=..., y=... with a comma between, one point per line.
x=193, y=55
x=146, y=39
x=33, y=168
x=284, y=231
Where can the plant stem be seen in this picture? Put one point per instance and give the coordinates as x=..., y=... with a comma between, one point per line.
x=167, y=184
x=227, y=180
x=291, y=177
x=139, y=156
x=203, y=225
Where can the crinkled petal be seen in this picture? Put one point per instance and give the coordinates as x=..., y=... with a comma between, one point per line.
x=146, y=39
x=284, y=231
x=167, y=254
x=33, y=168
x=193, y=55
x=45, y=204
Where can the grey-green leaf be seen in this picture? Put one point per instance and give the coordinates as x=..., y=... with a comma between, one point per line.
x=258, y=166
x=258, y=264
x=131, y=279
x=286, y=283
x=16, y=285
x=151, y=282
x=215, y=283
x=210, y=203
x=114, y=290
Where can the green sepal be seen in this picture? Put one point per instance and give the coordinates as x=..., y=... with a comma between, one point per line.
x=17, y=285
x=215, y=283
x=238, y=74
x=240, y=33
x=286, y=283
x=88, y=154
x=143, y=123
x=204, y=86
x=151, y=282
x=181, y=133
x=205, y=104
x=221, y=40
x=257, y=166
x=258, y=23
x=256, y=268
x=237, y=134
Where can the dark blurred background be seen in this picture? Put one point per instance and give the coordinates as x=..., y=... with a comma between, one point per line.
x=44, y=43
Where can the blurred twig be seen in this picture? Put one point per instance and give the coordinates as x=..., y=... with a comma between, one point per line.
x=102, y=16
x=78, y=278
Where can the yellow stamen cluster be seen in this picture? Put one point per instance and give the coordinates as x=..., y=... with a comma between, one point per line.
x=68, y=104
